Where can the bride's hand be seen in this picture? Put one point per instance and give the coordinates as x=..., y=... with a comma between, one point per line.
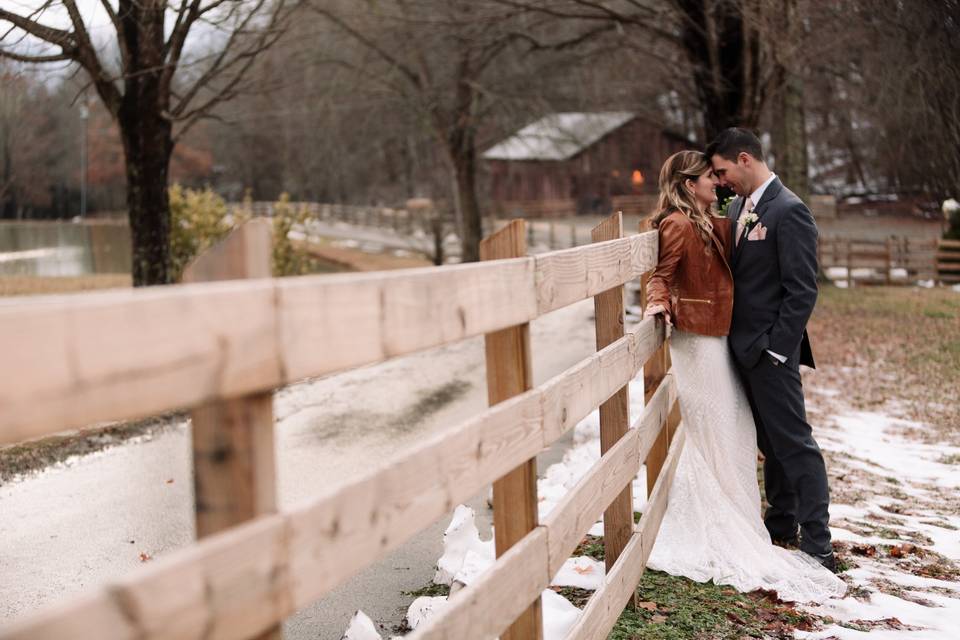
x=656, y=309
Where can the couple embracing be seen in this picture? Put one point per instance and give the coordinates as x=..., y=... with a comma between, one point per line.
x=738, y=292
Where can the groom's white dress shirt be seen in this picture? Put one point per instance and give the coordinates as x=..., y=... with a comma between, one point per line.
x=755, y=198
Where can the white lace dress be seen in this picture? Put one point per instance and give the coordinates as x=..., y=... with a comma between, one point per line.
x=713, y=528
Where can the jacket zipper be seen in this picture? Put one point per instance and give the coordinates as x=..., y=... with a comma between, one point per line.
x=696, y=300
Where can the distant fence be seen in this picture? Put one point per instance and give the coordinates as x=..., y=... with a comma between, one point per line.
x=896, y=260
x=220, y=348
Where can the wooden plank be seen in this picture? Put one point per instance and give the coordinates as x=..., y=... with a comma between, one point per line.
x=71, y=361
x=571, y=396
x=570, y=520
x=614, y=412
x=571, y=275
x=233, y=441
x=353, y=526
x=485, y=608
x=245, y=253
x=231, y=585
x=329, y=539
x=509, y=373
x=619, y=585
x=653, y=373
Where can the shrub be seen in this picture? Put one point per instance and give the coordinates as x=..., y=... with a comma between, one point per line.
x=198, y=219
x=288, y=260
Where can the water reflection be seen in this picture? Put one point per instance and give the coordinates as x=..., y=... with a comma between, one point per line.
x=64, y=248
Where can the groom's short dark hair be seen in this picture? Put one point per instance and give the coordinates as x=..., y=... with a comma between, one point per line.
x=732, y=141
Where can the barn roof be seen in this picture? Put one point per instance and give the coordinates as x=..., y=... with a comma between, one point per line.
x=558, y=136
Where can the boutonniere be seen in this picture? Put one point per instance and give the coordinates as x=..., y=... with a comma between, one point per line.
x=749, y=218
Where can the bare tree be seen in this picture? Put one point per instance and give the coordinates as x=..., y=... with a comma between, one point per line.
x=722, y=58
x=159, y=92
x=453, y=63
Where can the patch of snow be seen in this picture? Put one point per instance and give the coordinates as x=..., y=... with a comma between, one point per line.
x=361, y=627
x=559, y=615
x=422, y=608
x=465, y=555
x=580, y=571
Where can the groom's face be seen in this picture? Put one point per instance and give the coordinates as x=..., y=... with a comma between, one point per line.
x=733, y=175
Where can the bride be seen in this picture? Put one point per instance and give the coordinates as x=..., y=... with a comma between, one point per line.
x=712, y=529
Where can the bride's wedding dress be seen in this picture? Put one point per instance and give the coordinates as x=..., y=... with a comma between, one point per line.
x=713, y=528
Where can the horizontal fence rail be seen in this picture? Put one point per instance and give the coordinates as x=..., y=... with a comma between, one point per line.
x=71, y=361
x=74, y=360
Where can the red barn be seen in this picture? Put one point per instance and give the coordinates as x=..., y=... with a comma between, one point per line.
x=585, y=163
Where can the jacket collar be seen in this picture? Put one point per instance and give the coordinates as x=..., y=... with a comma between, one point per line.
x=772, y=191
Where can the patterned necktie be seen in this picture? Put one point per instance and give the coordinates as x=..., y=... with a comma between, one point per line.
x=747, y=207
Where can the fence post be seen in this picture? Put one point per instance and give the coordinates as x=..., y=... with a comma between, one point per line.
x=530, y=241
x=654, y=371
x=849, y=266
x=509, y=372
x=614, y=413
x=553, y=235
x=889, y=278
x=573, y=233
x=233, y=447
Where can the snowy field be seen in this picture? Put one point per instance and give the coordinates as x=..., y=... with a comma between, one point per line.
x=895, y=519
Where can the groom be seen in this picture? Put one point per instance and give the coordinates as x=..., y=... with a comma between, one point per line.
x=774, y=266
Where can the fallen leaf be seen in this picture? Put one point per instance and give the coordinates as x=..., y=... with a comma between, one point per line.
x=658, y=619
x=145, y=557
x=649, y=606
x=583, y=570
x=170, y=481
x=864, y=550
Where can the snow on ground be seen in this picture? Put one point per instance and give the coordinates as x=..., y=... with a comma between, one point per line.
x=895, y=518
x=895, y=508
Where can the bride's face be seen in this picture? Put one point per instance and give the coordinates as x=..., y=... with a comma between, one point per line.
x=704, y=188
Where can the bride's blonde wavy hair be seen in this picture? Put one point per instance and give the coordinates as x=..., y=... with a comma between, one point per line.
x=674, y=196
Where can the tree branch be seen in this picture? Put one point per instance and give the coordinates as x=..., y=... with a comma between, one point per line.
x=393, y=61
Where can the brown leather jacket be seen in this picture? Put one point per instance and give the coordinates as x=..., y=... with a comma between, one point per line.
x=692, y=280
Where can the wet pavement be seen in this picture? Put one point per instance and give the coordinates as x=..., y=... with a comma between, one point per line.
x=92, y=518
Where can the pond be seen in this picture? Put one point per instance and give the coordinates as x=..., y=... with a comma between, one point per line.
x=64, y=248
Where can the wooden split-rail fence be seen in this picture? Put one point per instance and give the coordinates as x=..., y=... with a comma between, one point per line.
x=893, y=260
x=221, y=348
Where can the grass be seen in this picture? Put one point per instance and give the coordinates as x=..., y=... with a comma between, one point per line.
x=431, y=590
x=894, y=343
x=673, y=608
x=37, y=285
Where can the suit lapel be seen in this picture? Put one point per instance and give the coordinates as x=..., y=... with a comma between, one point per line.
x=771, y=192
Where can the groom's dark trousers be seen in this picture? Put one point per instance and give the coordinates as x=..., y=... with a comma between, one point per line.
x=775, y=290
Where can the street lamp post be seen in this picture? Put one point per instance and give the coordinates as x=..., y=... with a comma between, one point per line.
x=84, y=115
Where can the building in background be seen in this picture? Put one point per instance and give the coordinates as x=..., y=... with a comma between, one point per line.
x=580, y=163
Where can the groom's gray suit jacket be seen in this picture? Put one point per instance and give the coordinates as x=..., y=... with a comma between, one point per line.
x=775, y=280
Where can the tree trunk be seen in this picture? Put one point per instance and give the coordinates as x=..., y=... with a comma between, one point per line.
x=790, y=144
x=465, y=167
x=148, y=203
x=724, y=53
x=147, y=142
